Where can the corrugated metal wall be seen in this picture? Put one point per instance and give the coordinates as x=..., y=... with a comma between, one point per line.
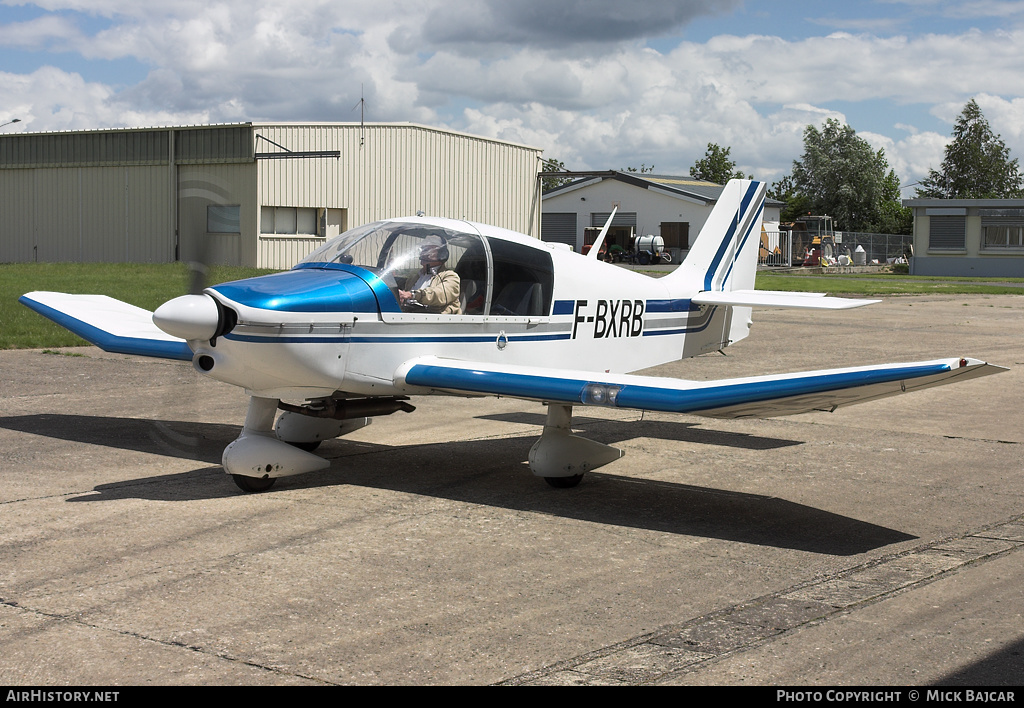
x=212, y=145
x=110, y=195
x=283, y=252
x=199, y=187
x=99, y=214
x=81, y=149
x=387, y=170
x=106, y=148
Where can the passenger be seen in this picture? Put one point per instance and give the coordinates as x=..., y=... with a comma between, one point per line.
x=434, y=288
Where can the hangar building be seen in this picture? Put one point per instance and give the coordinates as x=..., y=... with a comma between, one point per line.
x=253, y=194
x=674, y=208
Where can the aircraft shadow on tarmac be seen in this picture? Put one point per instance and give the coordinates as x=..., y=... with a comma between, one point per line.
x=186, y=440
x=489, y=472
x=610, y=431
x=1001, y=668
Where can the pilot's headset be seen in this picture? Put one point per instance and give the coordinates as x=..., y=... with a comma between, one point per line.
x=439, y=242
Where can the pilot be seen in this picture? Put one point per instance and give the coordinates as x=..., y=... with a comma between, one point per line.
x=434, y=288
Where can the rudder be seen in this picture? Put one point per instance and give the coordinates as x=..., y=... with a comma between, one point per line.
x=724, y=254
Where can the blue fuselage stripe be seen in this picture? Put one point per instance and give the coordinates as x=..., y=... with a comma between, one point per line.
x=384, y=339
x=676, y=305
x=568, y=307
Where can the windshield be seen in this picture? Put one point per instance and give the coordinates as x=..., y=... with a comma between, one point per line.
x=392, y=249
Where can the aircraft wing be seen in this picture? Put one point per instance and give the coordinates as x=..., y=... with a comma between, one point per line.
x=110, y=324
x=759, y=396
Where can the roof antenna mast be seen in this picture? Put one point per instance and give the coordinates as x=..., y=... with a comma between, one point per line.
x=362, y=125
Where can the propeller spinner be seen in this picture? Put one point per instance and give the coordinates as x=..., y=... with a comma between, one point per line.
x=189, y=317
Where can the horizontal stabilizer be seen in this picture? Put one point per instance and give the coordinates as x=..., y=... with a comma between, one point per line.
x=777, y=298
x=760, y=396
x=110, y=324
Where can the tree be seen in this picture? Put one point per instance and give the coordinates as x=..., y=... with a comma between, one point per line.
x=893, y=217
x=797, y=203
x=553, y=165
x=842, y=176
x=977, y=163
x=716, y=166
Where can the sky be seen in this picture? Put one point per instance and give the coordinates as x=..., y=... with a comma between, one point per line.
x=596, y=84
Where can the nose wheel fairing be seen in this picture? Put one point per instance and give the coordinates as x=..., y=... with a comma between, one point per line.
x=258, y=453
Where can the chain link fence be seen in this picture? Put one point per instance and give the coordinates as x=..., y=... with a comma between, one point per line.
x=884, y=248
x=785, y=249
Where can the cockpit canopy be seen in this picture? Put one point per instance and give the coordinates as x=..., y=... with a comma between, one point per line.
x=497, y=277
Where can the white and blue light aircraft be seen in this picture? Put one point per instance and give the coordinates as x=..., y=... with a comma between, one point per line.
x=536, y=321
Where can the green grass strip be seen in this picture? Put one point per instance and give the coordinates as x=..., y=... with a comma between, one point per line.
x=143, y=285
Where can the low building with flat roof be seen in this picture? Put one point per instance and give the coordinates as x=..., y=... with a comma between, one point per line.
x=968, y=237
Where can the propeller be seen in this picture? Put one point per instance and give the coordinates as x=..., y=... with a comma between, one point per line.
x=198, y=273
x=198, y=266
x=196, y=315
x=187, y=316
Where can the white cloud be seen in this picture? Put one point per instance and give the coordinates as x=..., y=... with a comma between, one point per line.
x=50, y=99
x=584, y=87
x=1006, y=118
x=913, y=155
x=40, y=33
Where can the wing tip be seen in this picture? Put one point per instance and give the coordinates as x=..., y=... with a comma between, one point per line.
x=161, y=347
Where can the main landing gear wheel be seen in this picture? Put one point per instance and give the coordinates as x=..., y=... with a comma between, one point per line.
x=253, y=484
x=564, y=482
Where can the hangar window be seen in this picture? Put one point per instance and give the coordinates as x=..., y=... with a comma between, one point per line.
x=1002, y=228
x=1005, y=236
x=288, y=221
x=223, y=219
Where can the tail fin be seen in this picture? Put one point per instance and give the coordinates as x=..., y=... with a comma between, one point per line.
x=724, y=254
